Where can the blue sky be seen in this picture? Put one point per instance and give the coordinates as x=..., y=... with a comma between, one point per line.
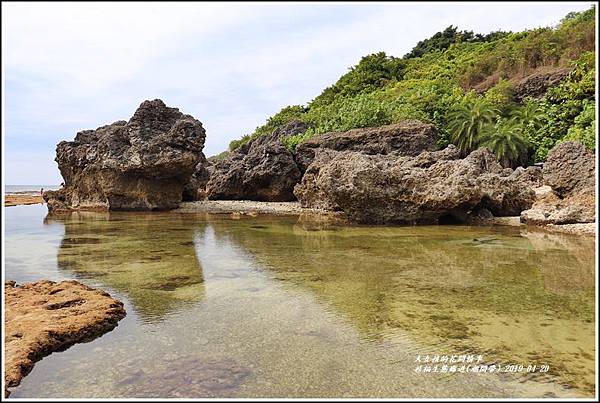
x=69, y=67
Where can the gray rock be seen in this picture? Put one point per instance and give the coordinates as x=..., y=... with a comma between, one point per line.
x=408, y=138
x=262, y=169
x=142, y=164
x=536, y=84
x=568, y=196
x=531, y=175
x=432, y=187
x=570, y=168
x=195, y=189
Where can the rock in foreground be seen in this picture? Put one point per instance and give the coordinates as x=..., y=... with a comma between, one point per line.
x=430, y=188
x=45, y=316
x=142, y=164
x=568, y=196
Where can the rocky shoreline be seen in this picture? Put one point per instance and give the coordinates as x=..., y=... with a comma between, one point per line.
x=15, y=199
x=43, y=317
x=250, y=208
x=392, y=174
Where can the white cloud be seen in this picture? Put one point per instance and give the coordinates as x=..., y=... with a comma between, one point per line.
x=73, y=66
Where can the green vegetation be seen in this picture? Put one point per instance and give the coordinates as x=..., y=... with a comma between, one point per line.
x=471, y=121
x=449, y=36
x=464, y=84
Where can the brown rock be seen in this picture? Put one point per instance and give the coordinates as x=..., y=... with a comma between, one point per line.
x=570, y=168
x=569, y=175
x=44, y=316
x=408, y=138
x=262, y=169
x=195, y=189
x=142, y=164
x=536, y=84
x=433, y=187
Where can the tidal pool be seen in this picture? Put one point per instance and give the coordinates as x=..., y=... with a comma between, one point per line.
x=303, y=307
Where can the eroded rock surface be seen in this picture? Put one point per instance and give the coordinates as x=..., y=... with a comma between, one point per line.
x=195, y=189
x=142, y=164
x=536, y=84
x=44, y=316
x=262, y=169
x=408, y=138
x=431, y=187
x=568, y=196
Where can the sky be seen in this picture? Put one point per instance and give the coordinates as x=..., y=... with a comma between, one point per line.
x=67, y=67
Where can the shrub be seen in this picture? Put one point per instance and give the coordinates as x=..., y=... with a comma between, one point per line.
x=433, y=84
x=584, y=128
x=471, y=120
x=507, y=142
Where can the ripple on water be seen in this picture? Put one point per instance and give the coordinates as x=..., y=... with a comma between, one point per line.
x=281, y=306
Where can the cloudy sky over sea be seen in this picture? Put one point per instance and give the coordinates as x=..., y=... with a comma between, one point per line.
x=69, y=67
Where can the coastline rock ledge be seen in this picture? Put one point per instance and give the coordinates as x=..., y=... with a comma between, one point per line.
x=433, y=187
x=142, y=164
x=44, y=316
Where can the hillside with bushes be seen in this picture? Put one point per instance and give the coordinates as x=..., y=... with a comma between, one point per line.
x=472, y=87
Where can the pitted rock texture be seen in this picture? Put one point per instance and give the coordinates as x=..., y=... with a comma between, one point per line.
x=433, y=187
x=407, y=138
x=536, y=84
x=142, y=164
x=44, y=316
x=570, y=168
x=569, y=176
x=262, y=169
x=195, y=189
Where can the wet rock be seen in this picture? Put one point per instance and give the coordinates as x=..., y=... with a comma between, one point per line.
x=568, y=196
x=433, y=187
x=190, y=377
x=45, y=316
x=408, y=138
x=536, y=84
x=262, y=169
x=142, y=164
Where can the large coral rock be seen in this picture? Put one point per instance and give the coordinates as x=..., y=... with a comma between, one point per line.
x=409, y=138
x=262, y=169
x=432, y=187
x=45, y=316
x=570, y=168
x=536, y=84
x=195, y=189
x=142, y=164
x=569, y=175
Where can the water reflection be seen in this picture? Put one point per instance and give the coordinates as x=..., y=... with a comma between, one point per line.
x=516, y=296
x=310, y=307
x=149, y=257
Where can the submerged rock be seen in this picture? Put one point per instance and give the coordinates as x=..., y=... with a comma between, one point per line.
x=568, y=196
x=409, y=138
x=432, y=187
x=262, y=169
x=142, y=164
x=45, y=316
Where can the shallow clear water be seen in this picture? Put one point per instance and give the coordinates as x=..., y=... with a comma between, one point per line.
x=302, y=307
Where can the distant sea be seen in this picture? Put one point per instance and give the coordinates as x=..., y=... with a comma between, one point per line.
x=28, y=188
